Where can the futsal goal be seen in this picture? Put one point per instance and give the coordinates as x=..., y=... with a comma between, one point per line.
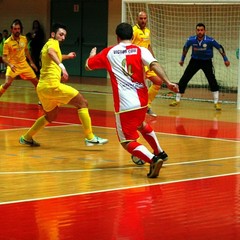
x=172, y=22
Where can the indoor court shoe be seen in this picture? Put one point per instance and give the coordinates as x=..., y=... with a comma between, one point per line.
x=155, y=167
x=31, y=143
x=218, y=106
x=151, y=113
x=95, y=141
x=174, y=104
x=163, y=156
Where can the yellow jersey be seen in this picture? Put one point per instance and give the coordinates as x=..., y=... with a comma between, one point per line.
x=50, y=72
x=15, y=50
x=141, y=37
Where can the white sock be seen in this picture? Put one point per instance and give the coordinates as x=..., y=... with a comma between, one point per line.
x=178, y=97
x=215, y=97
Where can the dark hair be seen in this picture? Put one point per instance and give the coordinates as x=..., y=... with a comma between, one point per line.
x=17, y=22
x=37, y=23
x=124, y=31
x=200, y=25
x=56, y=26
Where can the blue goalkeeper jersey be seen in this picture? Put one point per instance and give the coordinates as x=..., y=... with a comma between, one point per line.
x=202, y=49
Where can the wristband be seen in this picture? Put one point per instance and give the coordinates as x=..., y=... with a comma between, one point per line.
x=61, y=66
x=225, y=58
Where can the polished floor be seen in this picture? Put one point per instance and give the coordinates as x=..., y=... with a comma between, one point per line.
x=65, y=190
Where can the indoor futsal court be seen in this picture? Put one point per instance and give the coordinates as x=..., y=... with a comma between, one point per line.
x=65, y=190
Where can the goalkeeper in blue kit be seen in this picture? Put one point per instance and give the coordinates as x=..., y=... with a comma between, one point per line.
x=201, y=58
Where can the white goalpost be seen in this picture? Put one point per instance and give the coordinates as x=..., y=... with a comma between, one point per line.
x=172, y=22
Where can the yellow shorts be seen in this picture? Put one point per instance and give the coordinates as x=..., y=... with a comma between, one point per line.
x=23, y=70
x=149, y=73
x=53, y=96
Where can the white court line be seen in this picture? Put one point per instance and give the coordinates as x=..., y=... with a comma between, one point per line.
x=118, y=189
x=32, y=120
x=76, y=124
x=115, y=168
x=123, y=188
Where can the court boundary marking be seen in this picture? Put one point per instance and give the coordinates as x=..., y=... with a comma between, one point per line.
x=118, y=189
x=65, y=124
x=115, y=168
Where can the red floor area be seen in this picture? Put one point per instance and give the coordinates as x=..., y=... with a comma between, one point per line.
x=207, y=209
x=174, y=125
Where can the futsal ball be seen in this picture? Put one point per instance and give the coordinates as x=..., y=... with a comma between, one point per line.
x=137, y=161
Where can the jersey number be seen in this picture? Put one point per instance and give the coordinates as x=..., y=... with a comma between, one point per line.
x=129, y=69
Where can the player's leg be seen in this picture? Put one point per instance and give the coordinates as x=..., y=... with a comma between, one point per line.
x=190, y=71
x=27, y=73
x=208, y=70
x=140, y=151
x=127, y=132
x=81, y=104
x=152, y=93
x=10, y=76
x=34, y=81
x=40, y=123
x=128, y=135
x=6, y=84
x=153, y=90
x=50, y=113
x=150, y=136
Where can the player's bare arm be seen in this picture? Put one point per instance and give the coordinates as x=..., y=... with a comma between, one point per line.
x=70, y=55
x=156, y=67
x=5, y=60
x=91, y=54
x=53, y=55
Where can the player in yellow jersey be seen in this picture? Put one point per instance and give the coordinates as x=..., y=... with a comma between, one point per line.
x=141, y=37
x=15, y=55
x=52, y=93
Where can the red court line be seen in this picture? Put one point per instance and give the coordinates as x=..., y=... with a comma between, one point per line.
x=164, y=124
x=197, y=209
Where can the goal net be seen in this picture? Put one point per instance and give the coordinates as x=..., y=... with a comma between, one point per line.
x=172, y=22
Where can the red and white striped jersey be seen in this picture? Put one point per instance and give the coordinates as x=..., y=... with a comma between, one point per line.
x=125, y=64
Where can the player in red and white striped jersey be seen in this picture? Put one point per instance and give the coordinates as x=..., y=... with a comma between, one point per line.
x=125, y=64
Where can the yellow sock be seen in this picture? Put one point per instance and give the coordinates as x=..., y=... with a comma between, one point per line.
x=152, y=92
x=85, y=119
x=36, y=127
x=2, y=90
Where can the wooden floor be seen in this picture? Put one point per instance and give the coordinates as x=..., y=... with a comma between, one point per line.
x=65, y=190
